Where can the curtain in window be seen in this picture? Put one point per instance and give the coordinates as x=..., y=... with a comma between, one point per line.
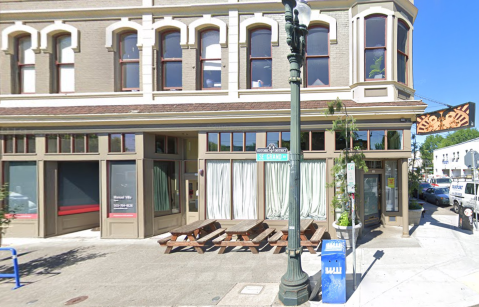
x=313, y=189
x=218, y=189
x=392, y=204
x=161, y=197
x=244, y=190
x=277, y=190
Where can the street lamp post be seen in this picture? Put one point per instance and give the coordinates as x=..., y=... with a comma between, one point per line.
x=294, y=288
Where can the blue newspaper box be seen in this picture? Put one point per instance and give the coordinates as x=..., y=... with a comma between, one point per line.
x=333, y=271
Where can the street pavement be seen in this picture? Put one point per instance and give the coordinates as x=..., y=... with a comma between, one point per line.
x=437, y=266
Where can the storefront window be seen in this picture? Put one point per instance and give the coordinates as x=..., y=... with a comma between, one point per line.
x=129, y=141
x=317, y=140
x=376, y=140
x=395, y=139
x=272, y=138
x=304, y=141
x=313, y=190
x=225, y=141
x=341, y=141
x=250, y=141
x=285, y=139
x=218, y=189
x=237, y=141
x=166, y=187
x=360, y=139
x=115, y=142
x=392, y=204
x=78, y=187
x=122, y=189
x=212, y=141
x=21, y=178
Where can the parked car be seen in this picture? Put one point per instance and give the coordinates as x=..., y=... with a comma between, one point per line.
x=443, y=182
x=438, y=196
x=462, y=193
x=423, y=186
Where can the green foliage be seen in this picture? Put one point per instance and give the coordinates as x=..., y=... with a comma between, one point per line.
x=426, y=149
x=346, y=220
x=414, y=176
x=376, y=67
x=459, y=136
x=413, y=205
x=345, y=125
x=4, y=210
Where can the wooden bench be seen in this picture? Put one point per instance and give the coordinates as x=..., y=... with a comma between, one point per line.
x=164, y=240
x=249, y=233
x=280, y=238
x=263, y=235
x=210, y=236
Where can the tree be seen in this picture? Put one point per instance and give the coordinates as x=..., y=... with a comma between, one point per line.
x=431, y=143
x=459, y=137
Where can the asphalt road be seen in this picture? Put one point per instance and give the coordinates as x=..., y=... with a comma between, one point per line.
x=438, y=210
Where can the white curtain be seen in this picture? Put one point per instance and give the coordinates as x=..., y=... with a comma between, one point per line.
x=244, y=189
x=313, y=190
x=218, y=189
x=277, y=190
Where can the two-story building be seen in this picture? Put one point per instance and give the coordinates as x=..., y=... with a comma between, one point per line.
x=139, y=116
x=449, y=161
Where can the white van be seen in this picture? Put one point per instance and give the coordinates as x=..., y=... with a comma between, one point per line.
x=462, y=193
x=443, y=182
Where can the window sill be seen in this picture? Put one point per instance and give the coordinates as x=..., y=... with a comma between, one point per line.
x=71, y=153
x=19, y=154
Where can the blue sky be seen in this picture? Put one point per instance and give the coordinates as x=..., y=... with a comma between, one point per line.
x=446, y=53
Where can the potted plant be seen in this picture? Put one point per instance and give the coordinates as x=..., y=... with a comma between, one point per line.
x=376, y=71
x=5, y=215
x=346, y=126
x=414, y=212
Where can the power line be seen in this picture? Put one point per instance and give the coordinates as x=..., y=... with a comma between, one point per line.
x=432, y=100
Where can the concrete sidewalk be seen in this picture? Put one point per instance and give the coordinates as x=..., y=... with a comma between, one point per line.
x=437, y=266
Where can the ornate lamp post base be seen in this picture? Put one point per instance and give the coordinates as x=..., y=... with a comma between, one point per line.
x=294, y=292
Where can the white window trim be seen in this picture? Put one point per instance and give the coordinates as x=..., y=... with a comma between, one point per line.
x=48, y=32
x=169, y=23
x=202, y=23
x=318, y=18
x=252, y=22
x=9, y=34
x=125, y=24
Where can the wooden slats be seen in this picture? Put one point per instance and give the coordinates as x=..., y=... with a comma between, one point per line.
x=274, y=238
x=263, y=235
x=243, y=227
x=210, y=236
x=219, y=239
x=190, y=228
x=318, y=235
x=164, y=240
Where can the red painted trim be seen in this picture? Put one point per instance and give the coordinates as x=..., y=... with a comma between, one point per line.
x=66, y=210
x=22, y=216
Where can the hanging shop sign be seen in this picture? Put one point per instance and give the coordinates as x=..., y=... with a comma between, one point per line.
x=450, y=119
x=272, y=153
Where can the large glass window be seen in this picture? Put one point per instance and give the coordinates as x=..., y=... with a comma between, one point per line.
x=341, y=141
x=402, y=52
x=129, y=61
x=375, y=50
x=26, y=65
x=317, y=57
x=78, y=187
x=220, y=193
x=313, y=190
x=166, y=187
x=392, y=204
x=261, y=61
x=64, y=61
x=191, y=155
x=360, y=139
x=21, y=178
x=317, y=140
x=122, y=142
x=376, y=140
x=122, y=189
x=236, y=141
x=210, y=58
x=395, y=139
x=171, y=61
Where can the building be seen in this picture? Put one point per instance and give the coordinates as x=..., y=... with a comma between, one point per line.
x=449, y=161
x=139, y=116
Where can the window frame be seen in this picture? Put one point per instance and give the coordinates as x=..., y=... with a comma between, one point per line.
x=251, y=58
x=86, y=145
x=166, y=145
x=58, y=65
x=310, y=139
x=374, y=48
x=202, y=60
x=123, y=151
x=163, y=61
x=180, y=186
x=350, y=147
x=231, y=142
x=121, y=62
x=15, y=138
x=306, y=57
x=399, y=52
x=20, y=66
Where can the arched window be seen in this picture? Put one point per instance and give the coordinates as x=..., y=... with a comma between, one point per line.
x=129, y=61
x=171, y=60
x=375, y=48
x=210, y=59
x=261, y=61
x=25, y=58
x=317, y=57
x=64, y=62
x=402, y=52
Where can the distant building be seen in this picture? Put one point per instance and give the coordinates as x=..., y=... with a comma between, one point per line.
x=449, y=161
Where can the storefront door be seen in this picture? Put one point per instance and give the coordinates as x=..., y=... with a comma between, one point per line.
x=192, y=213
x=372, y=199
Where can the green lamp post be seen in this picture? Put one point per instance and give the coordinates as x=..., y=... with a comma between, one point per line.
x=294, y=288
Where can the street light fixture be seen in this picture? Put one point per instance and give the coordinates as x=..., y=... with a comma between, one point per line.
x=294, y=288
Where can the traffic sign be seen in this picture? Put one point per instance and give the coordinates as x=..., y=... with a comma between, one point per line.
x=351, y=177
x=272, y=153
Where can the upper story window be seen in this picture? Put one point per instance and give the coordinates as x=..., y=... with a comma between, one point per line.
x=210, y=59
x=129, y=62
x=236, y=141
x=25, y=58
x=19, y=144
x=71, y=143
x=122, y=142
x=317, y=57
x=171, y=61
x=261, y=61
x=375, y=49
x=64, y=62
x=402, y=55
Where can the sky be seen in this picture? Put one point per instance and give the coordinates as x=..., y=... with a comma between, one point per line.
x=446, y=53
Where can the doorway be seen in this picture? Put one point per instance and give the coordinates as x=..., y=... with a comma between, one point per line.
x=372, y=199
x=192, y=212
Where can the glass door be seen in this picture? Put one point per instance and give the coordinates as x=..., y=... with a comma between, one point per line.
x=192, y=212
x=372, y=199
